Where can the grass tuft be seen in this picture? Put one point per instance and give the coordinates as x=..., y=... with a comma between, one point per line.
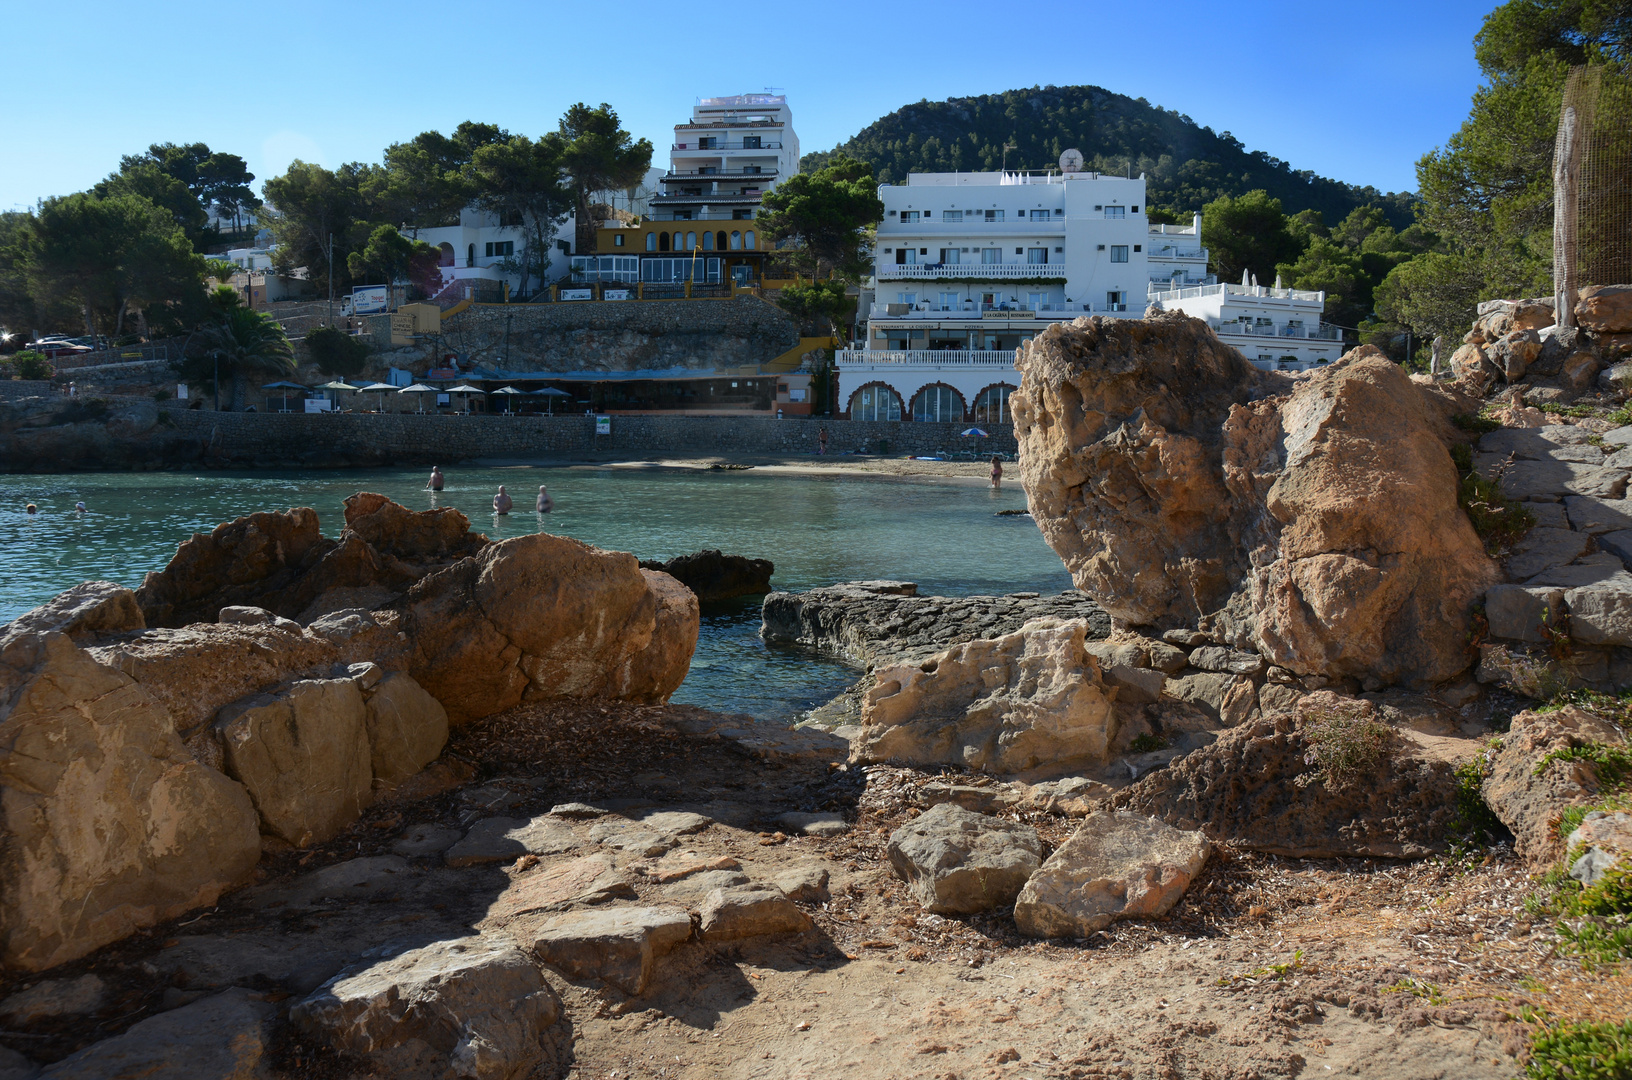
x=1344, y=741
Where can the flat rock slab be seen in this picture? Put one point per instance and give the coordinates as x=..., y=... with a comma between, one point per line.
x=1115, y=866
x=1598, y=594
x=425, y=840
x=1542, y=549
x=1228, y=661
x=629, y=837
x=1549, y=515
x=591, y=879
x=693, y=892
x=218, y=961
x=356, y=879
x=807, y=884
x=675, y=822
x=1518, y=612
x=222, y=1037
x=957, y=862
x=1618, y=543
x=1533, y=443
x=467, y=1007
x=503, y=839
x=1598, y=515
x=679, y=867
x=744, y=911
x=619, y=946
x=1554, y=479
x=982, y=799
x=815, y=824
x=54, y=997
x=577, y=811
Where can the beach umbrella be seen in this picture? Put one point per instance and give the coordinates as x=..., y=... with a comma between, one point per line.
x=466, y=389
x=379, y=388
x=550, y=393
x=337, y=386
x=508, y=391
x=284, y=386
x=975, y=432
x=418, y=388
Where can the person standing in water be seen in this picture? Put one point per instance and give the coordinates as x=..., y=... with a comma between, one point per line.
x=435, y=482
x=821, y=441
x=997, y=471
x=545, y=503
x=502, y=501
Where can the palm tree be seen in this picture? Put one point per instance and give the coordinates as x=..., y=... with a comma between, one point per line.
x=246, y=342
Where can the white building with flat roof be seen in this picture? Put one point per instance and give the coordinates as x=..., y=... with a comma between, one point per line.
x=722, y=160
x=970, y=266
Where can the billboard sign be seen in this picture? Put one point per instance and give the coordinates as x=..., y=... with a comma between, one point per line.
x=370, y=299
x=603, y=425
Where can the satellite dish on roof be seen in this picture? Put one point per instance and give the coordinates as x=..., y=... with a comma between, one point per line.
x=1071, y=161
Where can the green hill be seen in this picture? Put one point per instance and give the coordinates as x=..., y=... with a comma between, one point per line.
x=1186, y=165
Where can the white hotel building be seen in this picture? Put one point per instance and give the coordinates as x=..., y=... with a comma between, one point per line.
x=968, y=266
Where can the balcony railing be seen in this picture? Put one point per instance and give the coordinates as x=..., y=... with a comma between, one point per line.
x=712, y=215
x=1257, y=292
x=969, y=271
x=1166, y=253
x=672, y=173
x=1318, y=333
x=1183, y=281
x=922, y=311
x=725, y=145
x=863, y=359
x=972, y=227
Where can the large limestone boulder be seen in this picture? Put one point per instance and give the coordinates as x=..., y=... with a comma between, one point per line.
x=302, y=753
x=1529, y=798
x=107, y=823
x=238, y=562
x=958, y=862
x=1313, y=521
x=407, y=728
x=84, y=612
x=414, y=536
x=1605, y=309
x=1005, y=705
x=470, y=1007
x=222, y=1037
x=543, y=616
x=1260, y=786
x=1115, y=866
x=619, y=946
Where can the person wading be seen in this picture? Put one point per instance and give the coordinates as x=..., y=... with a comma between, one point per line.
x=502, y=501
x=436, y=481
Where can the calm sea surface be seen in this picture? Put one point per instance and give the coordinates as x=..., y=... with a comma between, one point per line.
x=817, y=529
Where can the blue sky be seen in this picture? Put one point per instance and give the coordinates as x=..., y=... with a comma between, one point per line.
x=1355, y=91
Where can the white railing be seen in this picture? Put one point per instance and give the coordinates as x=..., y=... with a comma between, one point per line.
x=1168, y=253
x=893, y=228
x=969, y=271
x=862, y=359
x=1261, y=292
x=1320, y=333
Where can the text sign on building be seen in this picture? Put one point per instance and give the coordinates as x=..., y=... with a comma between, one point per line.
x=402, y=329
x=603, y=425
x=370, y=299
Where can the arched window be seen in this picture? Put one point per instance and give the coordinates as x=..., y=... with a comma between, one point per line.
x=708, y=241
x=748, y=240
x=691, y=241
x=651, y=241
x=937, y=402
x=444, y=254
x=662, y=241
x=992, y=405
x=470, y=255
x=736, y=241
x=721, y=240
x=875, y=402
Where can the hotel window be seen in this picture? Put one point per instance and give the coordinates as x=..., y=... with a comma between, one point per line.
x=691, y=241
x=708, y=170
x=501, y=249
x=748, y=240
x=994, y=215
x=736, y=241
x=1036, y=255
x=750, y=170
x=909, y=215
x=949, y=256
x=617, y=241
x=950, y=301
x=651, y=241
x=1116, y=211
x=1119, y=253
x=706, y=142
x=1040, y=215
x=742, y=215
x=988, y=256
x=906, y=256
x=708, y=241
x=751, y=142
x=951, y=215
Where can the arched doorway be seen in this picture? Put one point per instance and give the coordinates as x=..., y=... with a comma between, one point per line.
x=875, y=401
x=992, y=405
x=444, y=254
x=937, y=401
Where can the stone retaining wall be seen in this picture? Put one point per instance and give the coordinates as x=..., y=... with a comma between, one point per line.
x=348, y=438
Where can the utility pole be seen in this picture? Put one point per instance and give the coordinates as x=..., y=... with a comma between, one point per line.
x=331, y=281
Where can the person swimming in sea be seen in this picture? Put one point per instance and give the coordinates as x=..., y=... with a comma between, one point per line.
x=79, y=508
x=545, y=503
x=31, y=509
x=502, y=501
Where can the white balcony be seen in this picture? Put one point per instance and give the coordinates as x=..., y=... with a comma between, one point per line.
x=1313, y=333
x=893, y=359
x=971, y=272
x=974, y=228
x=937, y=313
x=1252, y=292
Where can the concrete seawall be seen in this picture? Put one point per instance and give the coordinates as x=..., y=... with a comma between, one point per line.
x=267, y=439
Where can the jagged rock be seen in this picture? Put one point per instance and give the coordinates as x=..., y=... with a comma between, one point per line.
x=407, y=728
x=1115, y=866
x=1529, y=804
x=502, y=839
x=1229, y=698
x=1578, y=371
x=542, y=616
x=715, y=576
x=1470, y=365
x=744, y=911
x=1605, y=309
x=1518, y=613
x=1616, y=376
x=238, y=562
x=470, y=1007
x=1229, y=661
x=54, y=997
x=1253, y=787
x=223, y=1037
x=302, y=753
x=957, y=862
x=255, y=616
x=619, y=946
x=1317, y=526
x=804, y=883
x=83, y=613
x=417, y=536
x=1604, y=840
x=101, y=804
x=1513, y=353
x=985, y=799
x=1027, y=698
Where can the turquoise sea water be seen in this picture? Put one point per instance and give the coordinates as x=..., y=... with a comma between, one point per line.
x=818, y=530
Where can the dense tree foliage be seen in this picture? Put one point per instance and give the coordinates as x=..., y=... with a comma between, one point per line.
x=1186, y=165
x=336, y=352
x=242, y=344
x=598, y=155
x=828, y=214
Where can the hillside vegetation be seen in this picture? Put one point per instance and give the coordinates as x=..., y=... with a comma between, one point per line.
x=1187, y=165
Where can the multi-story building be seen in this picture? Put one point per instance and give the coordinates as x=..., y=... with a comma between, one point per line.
x=700, y=225
x=970, y=266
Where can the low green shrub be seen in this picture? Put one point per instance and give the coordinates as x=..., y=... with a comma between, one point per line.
x=1475, y=424
x=1344, y=741
x=1144, y=744
x=1500, y=521
x=1581, y=1052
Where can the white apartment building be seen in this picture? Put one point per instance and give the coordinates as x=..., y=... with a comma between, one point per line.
x=731, y=151
x=969, y=266
x=476, y=256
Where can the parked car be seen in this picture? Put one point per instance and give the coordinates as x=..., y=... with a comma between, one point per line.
x=53, y=348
